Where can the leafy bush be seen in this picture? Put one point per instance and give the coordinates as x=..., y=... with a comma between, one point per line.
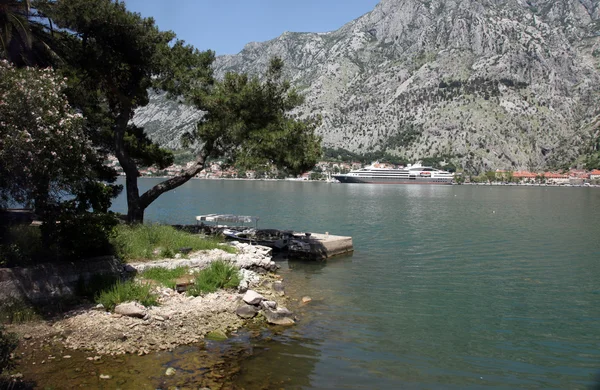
x=96, y=283
x=164, y=276
x=82, y=235
x=127, y=291
x=8, y=343
x=20, y=245
x=16, y=311
x=158, y=241
x=218, y=275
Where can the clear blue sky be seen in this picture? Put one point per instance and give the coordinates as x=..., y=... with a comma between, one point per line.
x=225, y=26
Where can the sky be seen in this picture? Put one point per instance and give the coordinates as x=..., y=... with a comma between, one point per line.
x=225, y=26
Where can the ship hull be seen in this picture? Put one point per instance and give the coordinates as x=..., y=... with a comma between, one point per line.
x=392, y=180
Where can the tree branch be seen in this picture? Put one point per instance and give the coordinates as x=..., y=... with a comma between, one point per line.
x=150, y=196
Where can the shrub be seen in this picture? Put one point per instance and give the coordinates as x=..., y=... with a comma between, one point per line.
x=20, y=245
x=8, y=343
x=127, y=291
x=218, y=275
x=164, y=276
x=154, y=241
x=16, y=311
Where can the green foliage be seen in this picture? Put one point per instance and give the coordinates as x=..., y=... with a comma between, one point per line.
x=218, y=275
x=405, y=137
x=8, y=343
x=340, y=154
x=247, y=122
x=127, y=291
x=20, y=245
x=156, y=241
x=45, y=154
x=81, y=235
x=164, y=276
x=491, y=176
x=90, y=287
x=16, y=311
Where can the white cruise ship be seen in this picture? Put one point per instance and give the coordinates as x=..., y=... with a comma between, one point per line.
x=377, y=173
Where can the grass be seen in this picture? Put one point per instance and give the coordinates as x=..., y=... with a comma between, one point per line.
x=158, y=241
x=125, y=292
x=15, y=311
x=218, y=275
x=165, y=276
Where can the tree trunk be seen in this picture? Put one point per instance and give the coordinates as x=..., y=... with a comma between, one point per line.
x=136, y=204
x=153, y=193
x=135, y=211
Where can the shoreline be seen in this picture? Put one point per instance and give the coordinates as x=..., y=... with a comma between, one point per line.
x=86, y=336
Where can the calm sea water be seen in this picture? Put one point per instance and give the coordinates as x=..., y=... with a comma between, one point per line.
x=448, y=287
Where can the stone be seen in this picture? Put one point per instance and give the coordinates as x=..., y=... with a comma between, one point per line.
x=278, y=287
x=216, y=335
x=131, y=309
x=27, y=337
x=99, y=307
x=306, y=299
x=170, y=371
x=281, y=316
x=253, y=298
x=246, y=311
x=103, y=376
x=268, y=305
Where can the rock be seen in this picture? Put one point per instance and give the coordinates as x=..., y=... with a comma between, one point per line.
x=99, y=307
x=253, y=298
x=170, y=371
x=281, y=316
x=131, y=309
x=246, y=311
x=272, y=305
x=216, y=335
x=67, y=357
x=102, y=376
x=306, y=299
x=27, y=337
x=278, y=287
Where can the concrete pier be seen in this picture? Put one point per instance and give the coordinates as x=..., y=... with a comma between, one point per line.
x=322, y=246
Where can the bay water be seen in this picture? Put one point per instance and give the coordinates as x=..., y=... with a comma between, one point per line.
x=448, y=286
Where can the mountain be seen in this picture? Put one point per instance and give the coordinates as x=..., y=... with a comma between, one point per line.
x=486, y=83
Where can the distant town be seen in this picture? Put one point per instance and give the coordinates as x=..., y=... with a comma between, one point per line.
x=324, y=171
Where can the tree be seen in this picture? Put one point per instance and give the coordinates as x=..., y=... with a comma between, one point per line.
x=44, y=152
x=114, y=56
x=491, y=176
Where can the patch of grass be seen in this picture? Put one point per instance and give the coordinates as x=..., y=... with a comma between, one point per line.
x=15, y=311
x=125, y=292
x=159, y=241
x=218, y=275
x=8, y=343
x=165, y=276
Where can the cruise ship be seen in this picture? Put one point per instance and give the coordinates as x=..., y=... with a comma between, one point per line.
x=377, y=173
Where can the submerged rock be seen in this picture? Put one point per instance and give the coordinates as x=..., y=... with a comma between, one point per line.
x=246, y=311
x=278, y=287
x=281, y=316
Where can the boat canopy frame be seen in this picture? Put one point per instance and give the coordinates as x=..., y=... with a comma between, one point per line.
x=231, y=218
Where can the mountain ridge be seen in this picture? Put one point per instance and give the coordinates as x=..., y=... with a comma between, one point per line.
x=490, y=83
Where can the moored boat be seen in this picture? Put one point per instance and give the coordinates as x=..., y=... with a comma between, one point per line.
x=377, y=173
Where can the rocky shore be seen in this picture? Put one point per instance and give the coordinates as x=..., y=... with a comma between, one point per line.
x=178, y=319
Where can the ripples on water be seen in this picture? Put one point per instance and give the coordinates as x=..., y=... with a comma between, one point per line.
x=449, y=286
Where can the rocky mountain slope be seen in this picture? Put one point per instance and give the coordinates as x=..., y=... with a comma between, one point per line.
x=491, y=83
